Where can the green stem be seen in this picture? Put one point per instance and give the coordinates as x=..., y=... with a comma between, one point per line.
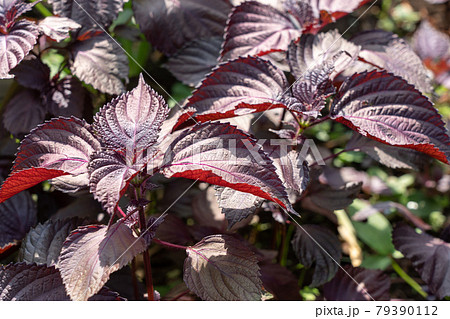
x=287, y=242
x=301, y=278
x=408, y=279
x=42, y=9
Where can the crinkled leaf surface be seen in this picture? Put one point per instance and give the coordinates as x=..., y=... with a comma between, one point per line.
x=58, y=28
x=238, y=87
x=62, y=144
x=109, y=176
x=99, y=61
x=326, y=257
x=17, y=215
x=309, y=92
x=371, y=284
x=42, y=245
x=257, y=29
x=195, y=60
x=291, y=167
x=386, y=108
x=10, y=10
x=171, y=24
x=236, y=205
x=23, y=112
x=88, y=13
x=387, y=51
x=310, y=51
x=133, y=120
x=16, y=42
x=222, y=155
x=91, y=253
x=24, y=282
x=220, y=267
x=430, y=257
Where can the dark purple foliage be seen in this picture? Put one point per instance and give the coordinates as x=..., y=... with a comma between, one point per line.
x=433, y=47
x=334, y=197
x=220, y=267
x=238, y=87
x=89, y=14
x=100, y=61
x=24, y=282
x=60, y=145
x=369, y=285
x=102, y=251
x=325, y=258
x=132, y=121
x=195, y=60
x=43, y=243
x=391, y=156
x=279, y=281
x=310, y=91
x=17, y=216
x=430, y=257
x=28, y=108
x=386, y=108
x=310, y=51
x=387, y=51
x=198, y=154
x=16, y=40
x=236, y=205
x=258, y=29
x=109, y=176
x=171, y=24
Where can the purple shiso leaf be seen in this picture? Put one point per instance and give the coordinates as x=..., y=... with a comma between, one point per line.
x=17, y=215
x=236, y=205
x=109, y=177
x=220, y=267
x=169, y=25
x=99, y=61
x=430, y=257
x=100, y=251
x=16, y=42
x=23, y=112
x=238, y=87
x=62, y=144
x=310, y=51
x=371, y=284
x=222, y=155
x=58, y=28
x=133, y=120
x=258, y=29
x=25, y=282
x=309, y=253
x=195, y=60
x=42, y=245
x=386, y=108
x=88, y=13
x=385, y=50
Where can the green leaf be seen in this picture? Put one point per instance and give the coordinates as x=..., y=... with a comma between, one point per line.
x=376, y=233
